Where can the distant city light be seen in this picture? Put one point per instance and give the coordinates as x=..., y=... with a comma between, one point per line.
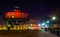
x=9, y=25
x=39, y=24
x=43, y=23
x=31, y=24
x=16, y=7
x=46, y=26
x=30, y=27
x=48, y=21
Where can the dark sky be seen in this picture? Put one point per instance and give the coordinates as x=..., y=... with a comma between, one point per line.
x=35, y=8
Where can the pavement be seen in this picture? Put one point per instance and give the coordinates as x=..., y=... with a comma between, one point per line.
x=26, y=33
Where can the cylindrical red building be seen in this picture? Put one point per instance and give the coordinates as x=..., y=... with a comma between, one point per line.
x=16, y=17
x=16, y=14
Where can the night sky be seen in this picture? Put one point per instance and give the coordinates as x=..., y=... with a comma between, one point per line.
x=35, y=8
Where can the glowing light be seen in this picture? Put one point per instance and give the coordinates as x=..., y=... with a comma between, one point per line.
x=54, y=18
x=39, y=24
x=31, y=24
x=43, y=23
x=12, y=16
x=48, y=21
x=30, y=27
x=46, y=26
x=9, y=25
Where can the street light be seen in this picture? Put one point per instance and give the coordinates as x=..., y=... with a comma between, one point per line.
x=54, y=18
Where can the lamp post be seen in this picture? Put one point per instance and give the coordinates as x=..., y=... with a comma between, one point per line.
x=56, y=31
x=53, y=20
